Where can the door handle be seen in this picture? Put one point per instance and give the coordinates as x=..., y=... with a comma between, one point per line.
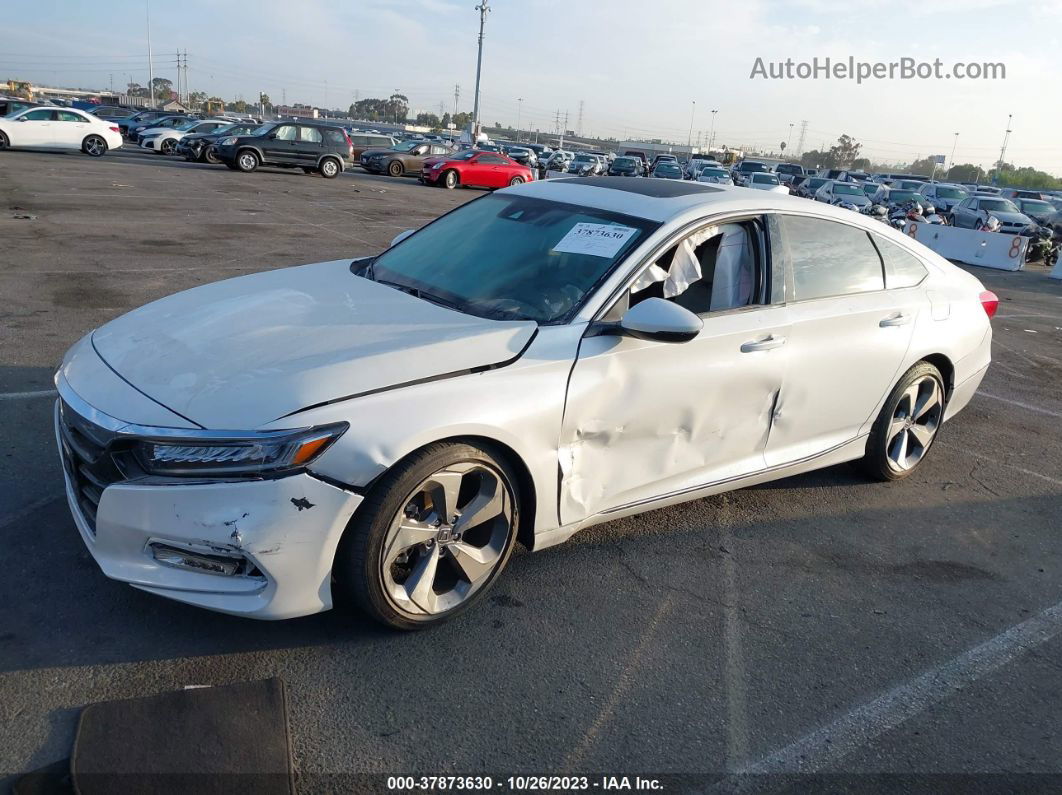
x=763, y=345
x=895, y=319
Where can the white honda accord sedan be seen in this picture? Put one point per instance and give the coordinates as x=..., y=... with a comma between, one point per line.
x=544, y=358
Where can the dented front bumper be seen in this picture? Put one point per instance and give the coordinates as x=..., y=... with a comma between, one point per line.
x=283, y=531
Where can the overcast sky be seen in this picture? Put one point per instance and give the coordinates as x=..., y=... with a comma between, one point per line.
x=637, y=66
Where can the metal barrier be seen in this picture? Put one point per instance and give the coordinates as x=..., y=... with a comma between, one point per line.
x=973, y=247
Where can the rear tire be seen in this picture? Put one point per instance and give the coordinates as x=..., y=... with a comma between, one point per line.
x=907, y=425
x=516, y=181
x=400, y=566
x=94, y=146
x=247, y=161
x=330, y=168
x=3, y=141
x=450, y=180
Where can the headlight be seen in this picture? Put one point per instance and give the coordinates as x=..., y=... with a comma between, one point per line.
x=268, y=452
x=228, y=141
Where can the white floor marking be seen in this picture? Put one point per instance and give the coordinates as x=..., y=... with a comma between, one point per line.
x=998, y=462
x=737, y=732
x=40, y=393
x=33, y=507
x=1019, y=404
x=865, y=723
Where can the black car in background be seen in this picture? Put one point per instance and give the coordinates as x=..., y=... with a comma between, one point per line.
x=9, y=105
x=315, y=148
x=626, y=167
x=200, y=148
x=130, y=123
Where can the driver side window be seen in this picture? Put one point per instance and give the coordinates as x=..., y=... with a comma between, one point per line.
x=717, y=268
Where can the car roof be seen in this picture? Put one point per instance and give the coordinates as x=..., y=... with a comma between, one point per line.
x=661, y=200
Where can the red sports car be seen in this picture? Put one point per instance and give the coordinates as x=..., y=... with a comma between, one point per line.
x=474, y=168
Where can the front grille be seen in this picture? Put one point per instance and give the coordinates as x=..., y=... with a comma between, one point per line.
x=88, y=460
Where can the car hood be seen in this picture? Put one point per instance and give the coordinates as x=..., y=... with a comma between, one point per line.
x=377, y=152
x=243, y=352
x=1010, y=218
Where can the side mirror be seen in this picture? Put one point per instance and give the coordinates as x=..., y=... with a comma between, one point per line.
x=271, y=136
x=402, y=236
x=662, y=321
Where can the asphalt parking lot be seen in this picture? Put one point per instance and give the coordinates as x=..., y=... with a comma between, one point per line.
x=820, y=624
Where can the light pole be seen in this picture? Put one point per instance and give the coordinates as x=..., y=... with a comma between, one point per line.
x=151, y=68
x=689, y=138
x=1003, y=151
x=519, y=110
x=483, y=10
x=789, y=140
x=711, y=136
x=952, y=159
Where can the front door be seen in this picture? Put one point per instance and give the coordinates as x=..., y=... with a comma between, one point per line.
x=279, y=144
x=35, y=128
x=644, y=420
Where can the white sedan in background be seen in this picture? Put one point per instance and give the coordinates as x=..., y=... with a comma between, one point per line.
x=164, y=140
x=539, y=360
x=758, y=180
x=59, y=128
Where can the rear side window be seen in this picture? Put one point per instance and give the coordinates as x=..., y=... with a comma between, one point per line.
x=309, y=135
x=492, y=159
x=902, y=269
x=829, y=258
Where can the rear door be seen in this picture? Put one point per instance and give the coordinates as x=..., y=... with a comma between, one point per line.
x=848, y=339
x=70, y=129
x=309, y=146
x=34, y=128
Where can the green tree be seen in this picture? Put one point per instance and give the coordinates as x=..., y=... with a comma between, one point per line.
x=843, y=153
x=197, y=97
x=428, y=120
x=966, y=172
x=263, y=100
x=163, y=89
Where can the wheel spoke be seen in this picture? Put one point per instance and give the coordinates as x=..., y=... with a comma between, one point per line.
x=475, y=563
x=410, y=533
x=922, y=435
x=928, y=402
x=895, y=427
x=482, y=508
x=444, y=488
x=898, y=450
x=421, y=579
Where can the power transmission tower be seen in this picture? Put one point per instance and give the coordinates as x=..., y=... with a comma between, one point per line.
x=579, y=125
x=800, y=140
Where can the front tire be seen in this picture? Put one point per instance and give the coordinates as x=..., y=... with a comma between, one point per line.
x=431, y=538
x=395, y=169
x=907, y=425
x=450, y=180
x=247, y=161
x=168, y=146
x=210, y=155
x=4, y=143
x=94, y=146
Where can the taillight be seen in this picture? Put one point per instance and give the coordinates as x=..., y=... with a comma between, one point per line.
x=990, y=301
x=350, y=144
x=116, y=129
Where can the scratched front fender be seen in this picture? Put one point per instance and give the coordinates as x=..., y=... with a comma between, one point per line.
x=287, y=529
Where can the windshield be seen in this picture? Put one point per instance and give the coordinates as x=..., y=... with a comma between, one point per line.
x=815, y=184
x=870, y=187
x=950, y=193
x=186, y=125
x=902, y=195
x=713, y=172
x=999, y=205
x=847, y=190
x=766, y=179
x=406, y=146
x=669, y=168
x=752, y=167
x=624, y=161
x=584, y=159
x=513, y=257
x=1036, y=206
x=264, y=129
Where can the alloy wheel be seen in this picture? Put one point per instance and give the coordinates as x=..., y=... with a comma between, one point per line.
x=168, y=146
x=95, y=146
x=451, y=535
x=914, y=423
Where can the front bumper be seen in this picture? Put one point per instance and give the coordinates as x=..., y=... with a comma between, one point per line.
x=284, y=531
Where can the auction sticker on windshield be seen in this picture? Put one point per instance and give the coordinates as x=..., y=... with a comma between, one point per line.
x=598, y=240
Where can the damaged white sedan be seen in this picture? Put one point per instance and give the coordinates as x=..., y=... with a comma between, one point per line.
x=537, y=361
